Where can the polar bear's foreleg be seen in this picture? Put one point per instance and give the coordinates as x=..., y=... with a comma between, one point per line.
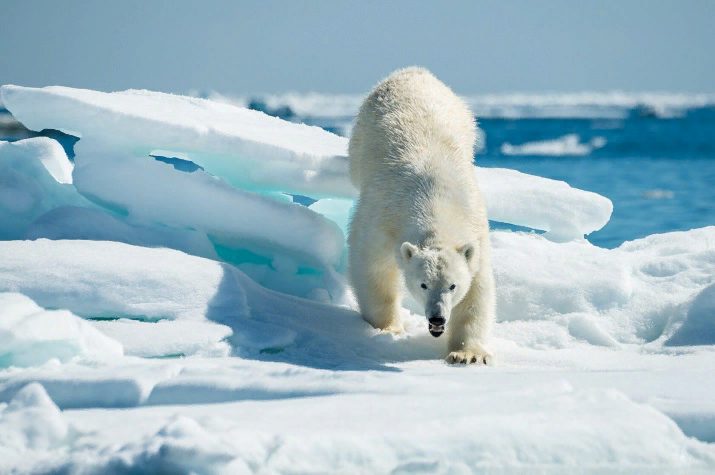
x=377, y=286
x=471, y=323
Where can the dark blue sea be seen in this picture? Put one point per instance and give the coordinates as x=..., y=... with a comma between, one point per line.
x=659, y=172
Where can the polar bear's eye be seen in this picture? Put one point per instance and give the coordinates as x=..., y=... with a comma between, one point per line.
x=453, y=286
x=424, y=286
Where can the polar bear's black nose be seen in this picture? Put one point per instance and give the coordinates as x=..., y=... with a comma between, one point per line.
x=437, y=320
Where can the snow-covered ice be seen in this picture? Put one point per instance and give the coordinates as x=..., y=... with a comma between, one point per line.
x=287, y=351
x=31, y=425
x=566, y=213
x=274, y=154
x=35, y=177
x=30, y=335
x=640, y=292
x=247, y=149
x=165, y=307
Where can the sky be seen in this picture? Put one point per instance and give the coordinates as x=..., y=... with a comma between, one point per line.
x=243, y=47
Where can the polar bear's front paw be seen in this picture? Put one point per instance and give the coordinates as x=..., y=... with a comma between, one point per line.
x=394, y=328
x=470, y=357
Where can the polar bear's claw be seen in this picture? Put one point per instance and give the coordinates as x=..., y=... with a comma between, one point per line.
x=468, y=357
x=394, y=329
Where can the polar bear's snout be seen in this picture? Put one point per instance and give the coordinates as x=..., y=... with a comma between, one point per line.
x=438, y=308
x=436, y=325
x=437, y=313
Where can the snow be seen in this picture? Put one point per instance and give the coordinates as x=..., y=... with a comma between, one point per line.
x=639, y=292
x=567, y=145
x=165, y=338
x=37, y=200
x=35, y=176
x=117, y=280
x=30, y=426
x=563, y=421
x=74, y=222
x=198, y=201
x=30, y=335
x=550, y=295
x=566, y=213
x=698, y=328
x=275, y=154
x=185, y=316
x=114, y=279
x=47, y=151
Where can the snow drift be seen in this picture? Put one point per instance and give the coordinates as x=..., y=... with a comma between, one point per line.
x=30, y=335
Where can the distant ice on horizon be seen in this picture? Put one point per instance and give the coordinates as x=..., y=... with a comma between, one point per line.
x=613, y=104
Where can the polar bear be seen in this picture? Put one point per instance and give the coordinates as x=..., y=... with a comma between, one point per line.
x=420, y=217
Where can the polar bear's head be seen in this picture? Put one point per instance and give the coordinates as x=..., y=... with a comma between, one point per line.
x=438, y=278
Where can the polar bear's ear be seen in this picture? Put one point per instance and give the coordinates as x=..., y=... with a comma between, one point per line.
x=407, y=250
x=467, y=251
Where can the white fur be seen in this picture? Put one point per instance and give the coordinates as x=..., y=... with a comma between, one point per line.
x=420, y=214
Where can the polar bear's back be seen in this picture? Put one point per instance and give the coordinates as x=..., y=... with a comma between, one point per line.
x=409, y=119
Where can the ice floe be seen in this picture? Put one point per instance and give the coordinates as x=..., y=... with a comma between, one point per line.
x=31, y=335
x=120, y=131
x=187, y=315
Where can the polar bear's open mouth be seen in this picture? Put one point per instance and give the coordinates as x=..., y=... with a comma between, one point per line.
x=436, y=330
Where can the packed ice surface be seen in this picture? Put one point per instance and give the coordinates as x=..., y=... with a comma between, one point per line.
x=35, y=177
x=114, y=169
x=273, y=240
x=247, y=149
x=549, y=294
x=46, y=151
x=309, y=435
x=37, y=199
x=30, y=335
x=142, y=341
x=31, y=426
x=92, y=223
x=167, y=338
x=104, y=280
x=125, y=281
x=699, y=325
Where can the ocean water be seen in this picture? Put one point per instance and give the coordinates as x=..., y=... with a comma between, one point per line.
x=652, y=155
x=659, y=172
